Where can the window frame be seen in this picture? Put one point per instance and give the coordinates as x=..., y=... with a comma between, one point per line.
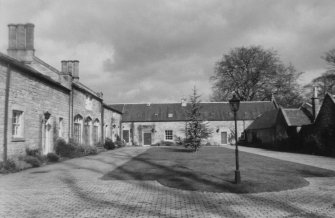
x=78, y=121
x=168, y=135
x=95, y=131
x=60, y=127
x=18, y=125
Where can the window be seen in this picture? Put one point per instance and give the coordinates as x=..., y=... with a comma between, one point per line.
x=96, y=131
x=61, y=127
x=125, y=135
x=89, y=102
x=168, y=135
x=170, y=115
x=17, y=129
x=87, y=131
x=77, y=128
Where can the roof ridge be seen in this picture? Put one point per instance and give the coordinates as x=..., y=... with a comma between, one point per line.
x=46, y=65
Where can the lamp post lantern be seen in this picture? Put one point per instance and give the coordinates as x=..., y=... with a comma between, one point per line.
x=234, y=106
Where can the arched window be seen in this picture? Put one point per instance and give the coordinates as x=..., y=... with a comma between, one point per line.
x=96, y=131
x=77, y=128
x=87, y=131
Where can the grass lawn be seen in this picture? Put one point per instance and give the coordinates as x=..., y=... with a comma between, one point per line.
x=212, y=169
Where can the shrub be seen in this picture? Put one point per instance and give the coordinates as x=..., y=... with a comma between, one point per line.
x=33, y=161
x=52, y=157
x=208, y=144
x=8, y=166
x=65, y=149
x=91, y=150
x=120, y=143
x=109, y=144
x=165, y=143
x=32, y=152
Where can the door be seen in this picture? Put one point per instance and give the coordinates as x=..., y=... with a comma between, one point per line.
x=224, y=138
x=48, y=139
x=125, y=135
x=147, y=138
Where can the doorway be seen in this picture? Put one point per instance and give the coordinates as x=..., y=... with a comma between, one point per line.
x=224, y=139
x=146, y=138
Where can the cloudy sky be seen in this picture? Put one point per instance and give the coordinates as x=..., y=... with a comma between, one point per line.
x=157, y=50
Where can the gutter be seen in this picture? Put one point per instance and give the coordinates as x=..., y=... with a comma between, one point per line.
x=5, y=139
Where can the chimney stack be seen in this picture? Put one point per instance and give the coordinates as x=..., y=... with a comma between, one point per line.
x=71, y=67
x=21, y=41
x=315, y=103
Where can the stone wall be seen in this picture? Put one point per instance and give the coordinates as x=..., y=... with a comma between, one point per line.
x=111, y=124
x=3, y=73
x=34, y=97
x=80, y=108
x=157, y=130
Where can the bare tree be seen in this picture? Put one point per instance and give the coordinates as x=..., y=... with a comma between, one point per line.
x=254, y=73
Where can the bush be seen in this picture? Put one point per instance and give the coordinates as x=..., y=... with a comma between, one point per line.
x=52, y=157
x=109, y=144
x=89, y=150
x=165, y=143
x=120, y=143
x=33, y=161
x=8, y=166
x=65, y=149
x=33, y=152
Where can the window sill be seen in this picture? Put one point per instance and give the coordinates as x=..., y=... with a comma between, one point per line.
x=18, y=140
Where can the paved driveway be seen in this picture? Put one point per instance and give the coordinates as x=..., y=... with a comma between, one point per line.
x=74, y=189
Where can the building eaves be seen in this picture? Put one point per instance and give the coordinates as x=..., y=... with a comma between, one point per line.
x=111, y=108
x=32, y=71
x=84, y=88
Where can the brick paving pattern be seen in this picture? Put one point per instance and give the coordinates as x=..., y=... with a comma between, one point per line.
x=74, y=188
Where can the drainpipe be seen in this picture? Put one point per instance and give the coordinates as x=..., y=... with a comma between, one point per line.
x=102, y=122
x=71, y=111
x=6, y=112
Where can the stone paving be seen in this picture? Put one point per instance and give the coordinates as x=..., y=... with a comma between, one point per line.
x=74, y=188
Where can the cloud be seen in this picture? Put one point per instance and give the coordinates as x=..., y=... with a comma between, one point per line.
x=153, y=51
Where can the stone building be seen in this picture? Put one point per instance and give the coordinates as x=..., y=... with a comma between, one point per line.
x=40, y=103
x=148, y=124
x=278, y=128
x=319, y=137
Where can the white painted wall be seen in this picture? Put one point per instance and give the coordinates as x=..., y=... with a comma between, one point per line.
x=157, y=129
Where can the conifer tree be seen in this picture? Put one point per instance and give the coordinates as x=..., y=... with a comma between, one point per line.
x=195, y=128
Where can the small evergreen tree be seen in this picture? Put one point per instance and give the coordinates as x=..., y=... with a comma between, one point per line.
x=195, y=128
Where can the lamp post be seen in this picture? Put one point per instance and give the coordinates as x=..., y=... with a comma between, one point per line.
x=234, y=106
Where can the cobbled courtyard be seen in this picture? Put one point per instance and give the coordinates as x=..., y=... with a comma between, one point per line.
x=74, y=188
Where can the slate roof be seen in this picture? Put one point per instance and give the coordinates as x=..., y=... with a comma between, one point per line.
x=212, y=111
x=296, y=117
x=265, y=121
x=293, y=117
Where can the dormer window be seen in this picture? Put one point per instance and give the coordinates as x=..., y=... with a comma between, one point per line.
x=88, y=102
x=170, y=115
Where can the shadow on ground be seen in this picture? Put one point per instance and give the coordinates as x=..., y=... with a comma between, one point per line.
x=212, y=170
x=144, y=168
